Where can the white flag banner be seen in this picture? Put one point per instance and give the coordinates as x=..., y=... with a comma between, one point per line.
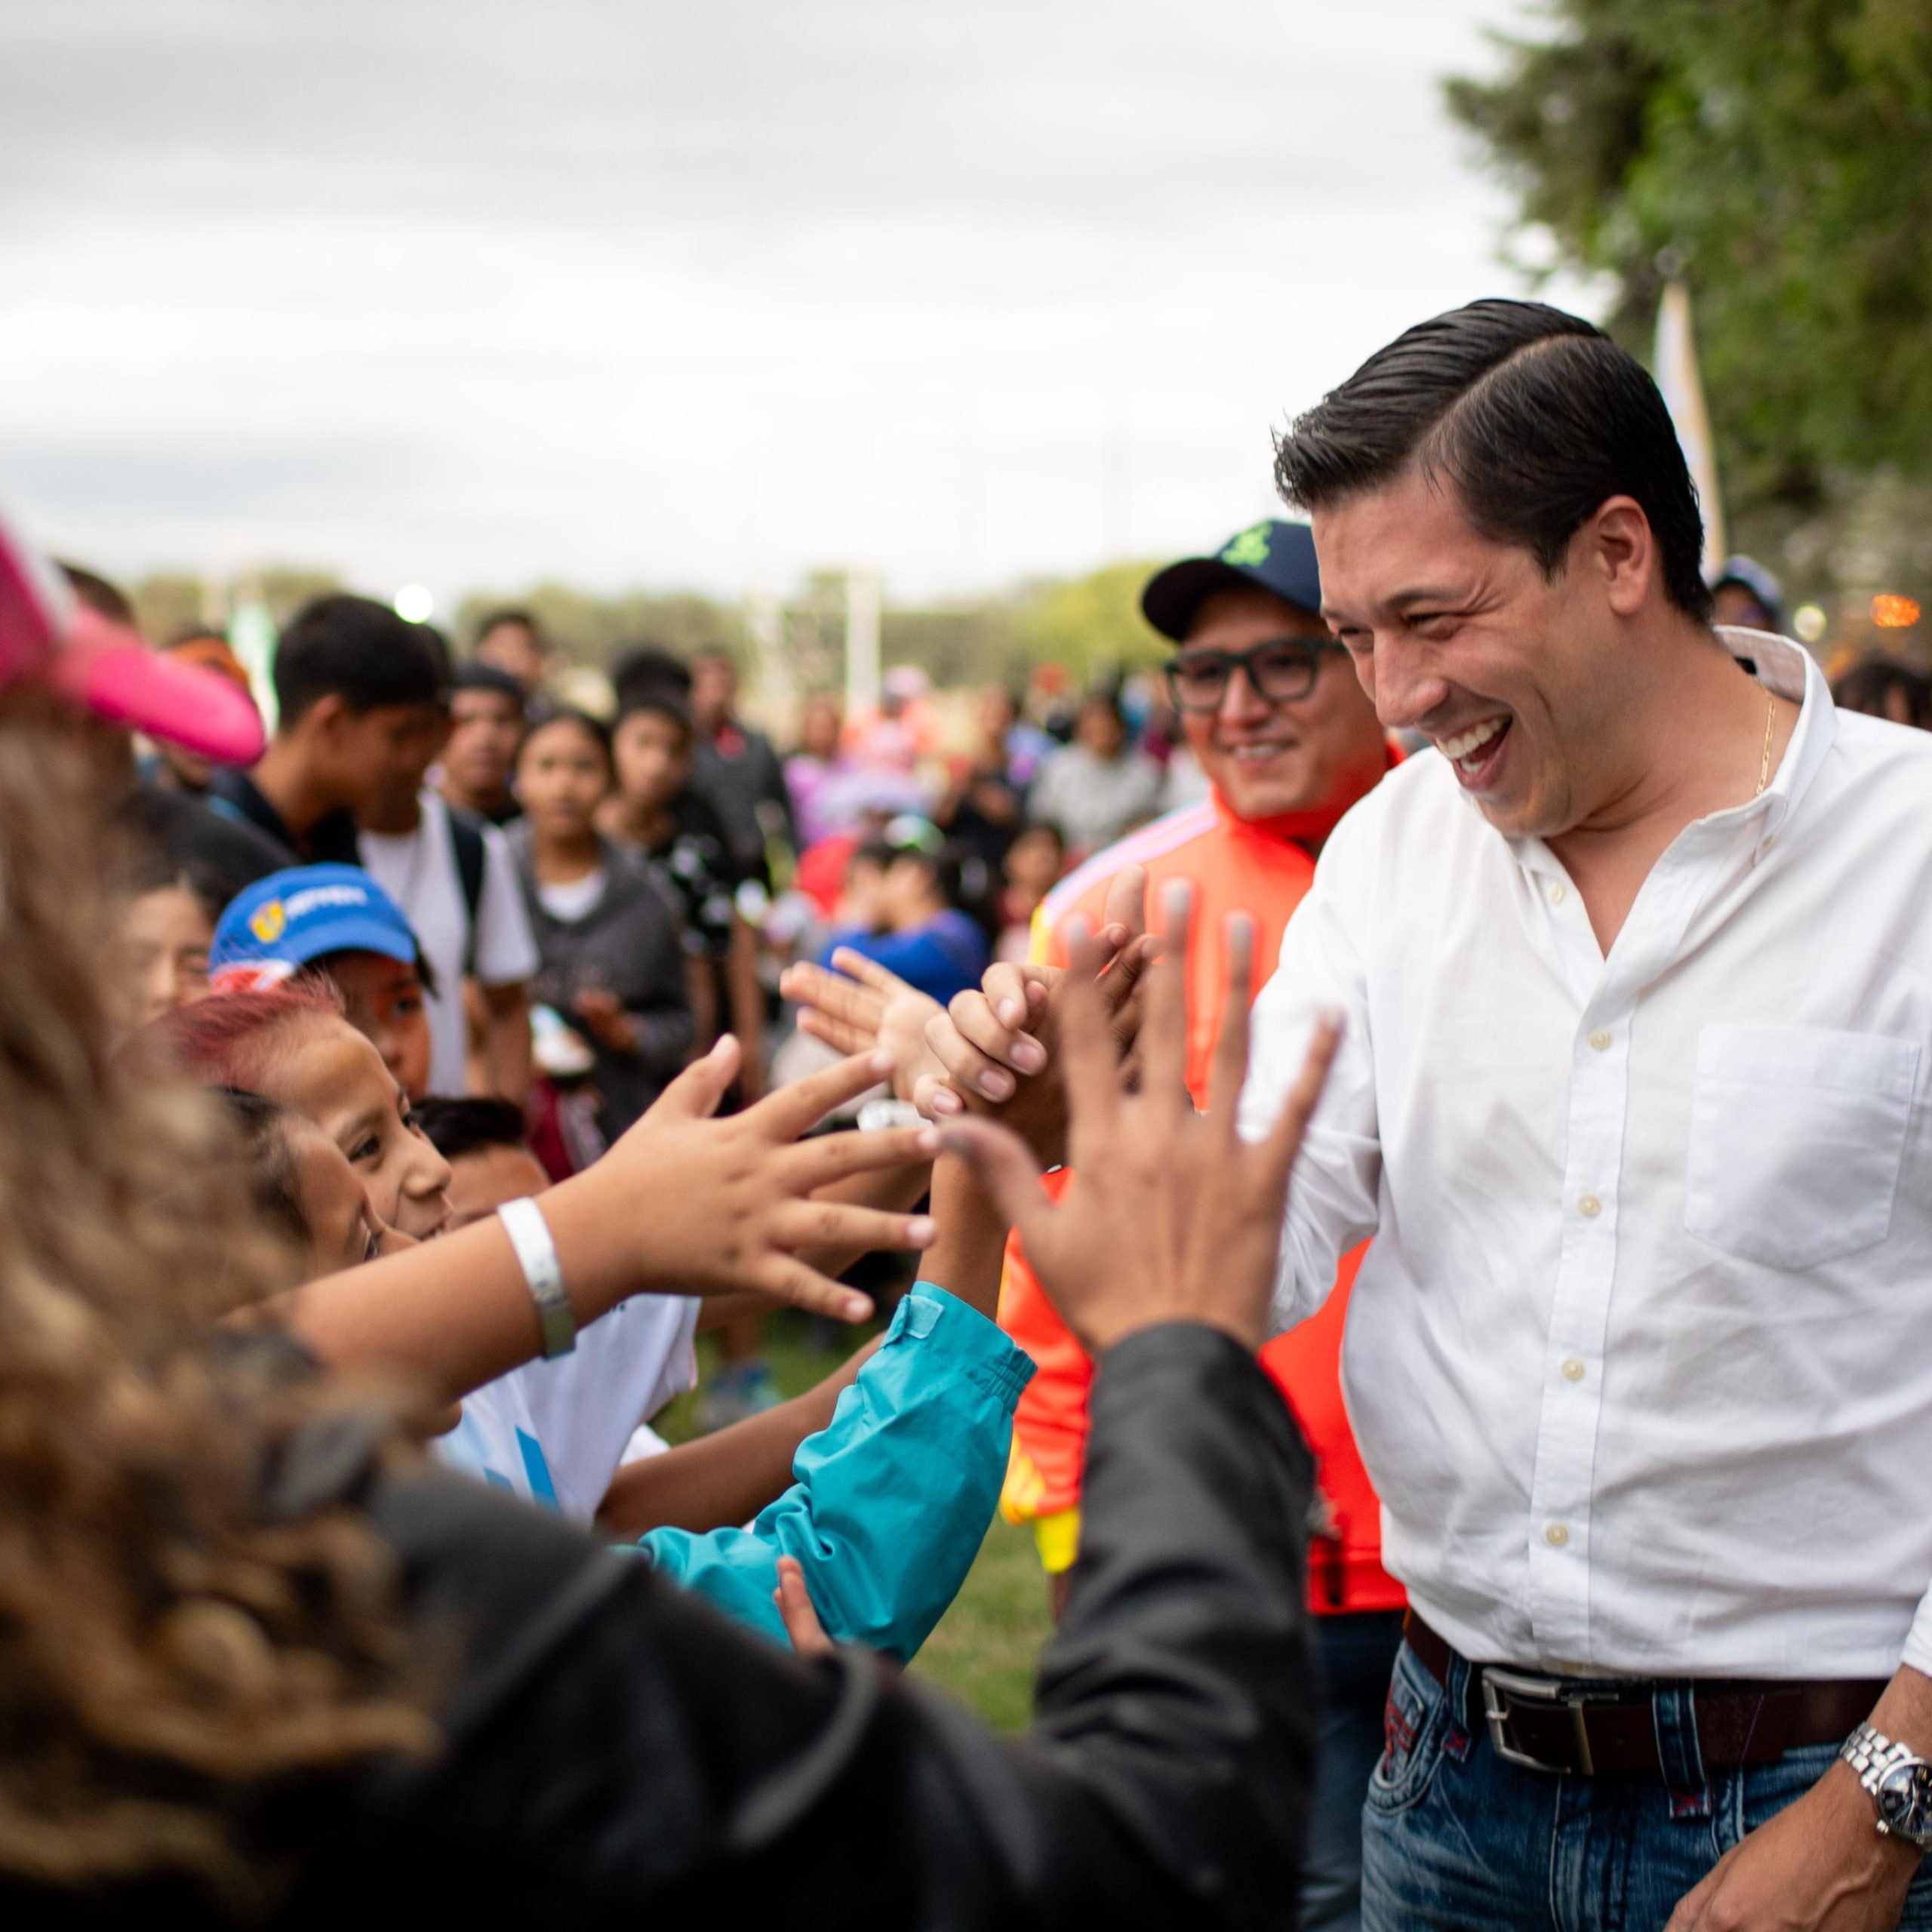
x=1674, y=363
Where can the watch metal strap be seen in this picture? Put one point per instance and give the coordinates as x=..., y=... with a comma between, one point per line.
x=1871, y=1754
x=542, y=1273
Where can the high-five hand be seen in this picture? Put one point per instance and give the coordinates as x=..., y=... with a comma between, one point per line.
x=863, y=1008
x=1171, y=1216
x=687, y=1201
x=999, y=1039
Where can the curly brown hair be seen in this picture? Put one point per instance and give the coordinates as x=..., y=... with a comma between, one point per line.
x=166, y=1652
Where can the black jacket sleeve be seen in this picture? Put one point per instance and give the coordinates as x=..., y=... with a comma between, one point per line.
x=613, y=1745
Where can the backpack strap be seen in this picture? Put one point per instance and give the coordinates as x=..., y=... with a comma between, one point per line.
x=467, y=837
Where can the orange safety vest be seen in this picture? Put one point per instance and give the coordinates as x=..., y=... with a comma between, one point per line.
x=1260, y=869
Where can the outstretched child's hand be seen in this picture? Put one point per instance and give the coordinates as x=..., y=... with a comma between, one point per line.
x=796, y=1611
x=984, y=1057
x=863, y=1008
x=978, y=1041
x=685, y=1203
x=1172, y=1216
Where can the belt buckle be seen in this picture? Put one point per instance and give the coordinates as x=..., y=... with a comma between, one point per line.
x=1499, y=1685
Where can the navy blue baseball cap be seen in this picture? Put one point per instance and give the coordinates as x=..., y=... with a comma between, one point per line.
x=1274, y=556
x=282, y=922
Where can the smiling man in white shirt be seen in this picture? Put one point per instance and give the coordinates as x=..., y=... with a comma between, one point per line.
x=1633, y=1098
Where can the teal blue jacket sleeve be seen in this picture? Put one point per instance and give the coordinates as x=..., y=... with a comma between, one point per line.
x=891, y=1502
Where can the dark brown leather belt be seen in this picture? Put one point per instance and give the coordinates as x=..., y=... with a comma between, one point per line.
x=1553, y=1723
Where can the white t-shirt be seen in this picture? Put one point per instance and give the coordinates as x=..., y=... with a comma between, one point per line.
x=554, y=1433
x=418, y=870
x=569, y=899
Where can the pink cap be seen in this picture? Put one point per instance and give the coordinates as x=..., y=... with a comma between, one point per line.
x=45, y=634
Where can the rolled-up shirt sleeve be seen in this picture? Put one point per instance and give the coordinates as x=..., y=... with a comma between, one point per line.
x=1332, y=1201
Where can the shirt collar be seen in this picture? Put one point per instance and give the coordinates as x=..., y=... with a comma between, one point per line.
x=1785, y=669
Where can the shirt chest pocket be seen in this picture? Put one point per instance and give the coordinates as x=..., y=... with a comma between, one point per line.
x=1796, y=1137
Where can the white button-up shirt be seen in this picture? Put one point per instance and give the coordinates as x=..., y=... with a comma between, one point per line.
x=1641, y=1358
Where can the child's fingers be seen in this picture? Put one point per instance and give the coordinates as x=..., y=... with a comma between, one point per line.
x=697, y=1091
x=1229, y=1069
x=840, y=1035
x=786, y=1278
x=833, y=994
x=884, y=983
x=842, y=1225
x=811, y=1164
x=786, y=1114
x=796, y=1611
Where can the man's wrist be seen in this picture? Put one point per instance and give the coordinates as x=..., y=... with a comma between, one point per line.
x=1902, y=1716
x=1884, y=1855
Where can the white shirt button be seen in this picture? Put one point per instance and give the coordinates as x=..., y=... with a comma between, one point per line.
x=1573, y=1368
x=1557, y=1535
x=1600, y=1039
x=1589, y=1206
x=1558, y=892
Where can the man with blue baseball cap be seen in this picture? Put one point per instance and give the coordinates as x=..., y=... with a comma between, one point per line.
x=336, y=920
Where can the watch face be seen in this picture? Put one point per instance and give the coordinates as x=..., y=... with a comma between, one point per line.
x=1905, y=1798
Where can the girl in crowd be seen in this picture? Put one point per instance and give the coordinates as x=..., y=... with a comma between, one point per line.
x=160, y=951
x=612, y=961
x=292, y=1044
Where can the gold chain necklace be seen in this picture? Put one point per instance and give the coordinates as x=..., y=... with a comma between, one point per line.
x=1771, y=726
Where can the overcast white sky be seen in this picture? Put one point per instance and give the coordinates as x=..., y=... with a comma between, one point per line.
x=633, y=293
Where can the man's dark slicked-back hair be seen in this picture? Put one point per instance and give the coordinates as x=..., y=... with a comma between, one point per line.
x=361, y=651
x=1535, y=417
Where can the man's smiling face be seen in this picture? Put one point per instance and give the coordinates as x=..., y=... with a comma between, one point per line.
x=1514, y=677
x=1266, y=759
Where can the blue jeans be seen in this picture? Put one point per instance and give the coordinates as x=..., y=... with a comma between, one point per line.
x=1354, y=1654
x=1455, y=1837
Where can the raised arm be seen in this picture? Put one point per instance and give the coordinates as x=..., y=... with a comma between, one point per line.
x=726, y=1477
x=683, y=1204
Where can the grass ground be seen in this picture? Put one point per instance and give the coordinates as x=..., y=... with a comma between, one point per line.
x=987, y=1644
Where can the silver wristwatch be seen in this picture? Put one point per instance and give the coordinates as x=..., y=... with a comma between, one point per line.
x=1900, y=1784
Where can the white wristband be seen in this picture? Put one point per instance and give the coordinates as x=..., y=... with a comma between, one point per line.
x=542, y=1273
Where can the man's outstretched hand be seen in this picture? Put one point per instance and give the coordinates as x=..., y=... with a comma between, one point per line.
x=1171, y=1215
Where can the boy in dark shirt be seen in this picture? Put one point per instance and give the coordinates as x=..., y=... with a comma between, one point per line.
x=361, y=692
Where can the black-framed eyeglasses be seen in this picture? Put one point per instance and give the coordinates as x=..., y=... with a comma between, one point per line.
x=1280, y=670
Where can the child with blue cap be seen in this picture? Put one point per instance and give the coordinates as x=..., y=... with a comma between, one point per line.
x=336, y=921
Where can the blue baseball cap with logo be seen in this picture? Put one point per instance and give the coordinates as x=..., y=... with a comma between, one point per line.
x=1275, y=556
x=282, y=922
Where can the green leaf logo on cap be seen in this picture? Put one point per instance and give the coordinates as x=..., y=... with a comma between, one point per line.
x=1248, y=549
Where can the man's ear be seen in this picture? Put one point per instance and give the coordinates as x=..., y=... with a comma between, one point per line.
x=1621, y=549
x=324, y=720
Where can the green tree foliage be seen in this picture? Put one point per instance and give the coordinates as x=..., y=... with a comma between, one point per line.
x=1091, y=624
x=1778, y=153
